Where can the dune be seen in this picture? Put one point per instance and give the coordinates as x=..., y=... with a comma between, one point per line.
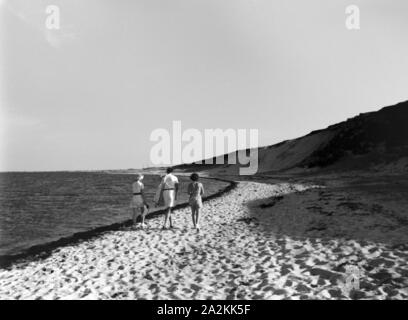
x=374, y=140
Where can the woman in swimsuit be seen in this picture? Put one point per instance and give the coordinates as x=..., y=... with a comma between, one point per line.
x=196, y=191
x=138, y=203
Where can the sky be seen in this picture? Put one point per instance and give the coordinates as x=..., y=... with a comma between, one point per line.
x=88, y=96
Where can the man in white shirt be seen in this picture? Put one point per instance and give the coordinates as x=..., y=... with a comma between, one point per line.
x=170, y=190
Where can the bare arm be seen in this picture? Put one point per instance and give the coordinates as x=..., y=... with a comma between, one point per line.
x=158, y=193
x=189, y=189
x=176, y=187
x=143, y=195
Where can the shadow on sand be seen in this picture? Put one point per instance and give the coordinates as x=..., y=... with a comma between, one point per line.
x=364, y=210
x=324, y=231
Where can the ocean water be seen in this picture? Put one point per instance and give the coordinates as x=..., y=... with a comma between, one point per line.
x=39, y=207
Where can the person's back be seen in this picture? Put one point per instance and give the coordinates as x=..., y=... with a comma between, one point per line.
x=138, y=203
x=168, y=189
x=195, y=190
x=170, y=181
x=137, y=187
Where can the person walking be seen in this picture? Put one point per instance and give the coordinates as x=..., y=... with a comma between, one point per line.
x=168, y=190
x=196, y=191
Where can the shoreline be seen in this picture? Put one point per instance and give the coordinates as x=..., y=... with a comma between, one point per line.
x=44, y=250
x=259, y=240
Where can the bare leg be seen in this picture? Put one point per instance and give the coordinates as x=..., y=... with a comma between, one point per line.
x=167, y=217
x=135, y=214
x=197, y=217
x=193, y=216
x=144, y=213
x=171, y=222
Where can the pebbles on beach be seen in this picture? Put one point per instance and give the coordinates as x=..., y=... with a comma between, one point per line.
x=234, y=256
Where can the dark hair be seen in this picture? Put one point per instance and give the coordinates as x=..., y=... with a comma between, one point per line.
x=194, y=177
x=169, y=170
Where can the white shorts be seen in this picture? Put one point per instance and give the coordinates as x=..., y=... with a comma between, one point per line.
x=169, y=198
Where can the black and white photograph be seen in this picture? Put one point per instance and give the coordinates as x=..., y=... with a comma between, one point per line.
x=203, y=150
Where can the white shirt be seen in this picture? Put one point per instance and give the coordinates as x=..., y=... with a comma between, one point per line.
x=170, y=180
x=137, y=187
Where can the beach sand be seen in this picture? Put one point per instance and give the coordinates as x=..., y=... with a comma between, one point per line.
x=246, y=249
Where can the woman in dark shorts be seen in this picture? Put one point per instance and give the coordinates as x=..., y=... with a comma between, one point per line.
x=196, y=191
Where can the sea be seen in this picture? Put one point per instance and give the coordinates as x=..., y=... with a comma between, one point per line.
x=40, y=207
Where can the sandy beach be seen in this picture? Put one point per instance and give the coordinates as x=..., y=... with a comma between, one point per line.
x=239, y=253
x=292, y=115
